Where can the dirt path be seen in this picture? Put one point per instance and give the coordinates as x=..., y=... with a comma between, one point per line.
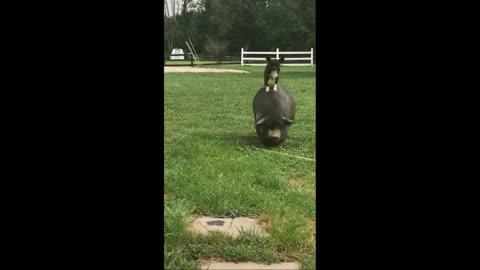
x=200, y=70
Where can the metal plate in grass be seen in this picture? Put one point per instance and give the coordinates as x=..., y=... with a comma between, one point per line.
x=232, y=226
x=249, y=266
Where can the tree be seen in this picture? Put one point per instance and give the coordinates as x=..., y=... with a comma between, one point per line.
x=251, y=24
x=216, y=48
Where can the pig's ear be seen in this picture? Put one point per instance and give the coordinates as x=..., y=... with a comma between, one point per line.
x=268, y=59
x=262, y=120
x=282, y=59
x=287, y=121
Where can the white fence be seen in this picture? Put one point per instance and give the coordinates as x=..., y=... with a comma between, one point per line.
x=277, y=54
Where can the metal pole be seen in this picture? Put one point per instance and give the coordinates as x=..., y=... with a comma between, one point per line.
x=193, y=48
x=191, y=51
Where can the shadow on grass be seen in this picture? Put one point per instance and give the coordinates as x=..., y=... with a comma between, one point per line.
x=235, y=139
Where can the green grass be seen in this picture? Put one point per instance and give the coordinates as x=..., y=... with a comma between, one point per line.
x=214, y=163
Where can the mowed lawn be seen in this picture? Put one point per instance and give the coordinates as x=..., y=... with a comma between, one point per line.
x=214, y=163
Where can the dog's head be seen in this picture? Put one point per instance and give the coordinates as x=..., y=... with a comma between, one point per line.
x=273, y=67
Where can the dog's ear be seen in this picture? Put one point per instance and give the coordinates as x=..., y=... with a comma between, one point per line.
x=268, y=59
x=282, y=59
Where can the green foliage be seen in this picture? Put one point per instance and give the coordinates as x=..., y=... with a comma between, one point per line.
x=251, y=24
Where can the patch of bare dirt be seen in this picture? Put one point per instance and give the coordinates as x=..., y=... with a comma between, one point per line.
x=201, y=70
x=312, y=192
x=295, y=182
x=313, y=223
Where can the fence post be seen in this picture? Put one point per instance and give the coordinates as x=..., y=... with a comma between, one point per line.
x=191, y=59
x=278, y=55
x=311, y=59
x=241, y=58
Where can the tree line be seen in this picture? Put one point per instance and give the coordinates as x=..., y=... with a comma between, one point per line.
x=229, y=25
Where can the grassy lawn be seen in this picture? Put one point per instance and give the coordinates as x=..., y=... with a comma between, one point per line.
x=214, y=162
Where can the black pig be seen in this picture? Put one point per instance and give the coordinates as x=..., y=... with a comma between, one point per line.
x=273, y=112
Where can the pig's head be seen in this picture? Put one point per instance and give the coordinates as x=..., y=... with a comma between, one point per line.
x=272, y=129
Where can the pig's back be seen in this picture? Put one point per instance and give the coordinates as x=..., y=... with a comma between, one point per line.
x=274, y=102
